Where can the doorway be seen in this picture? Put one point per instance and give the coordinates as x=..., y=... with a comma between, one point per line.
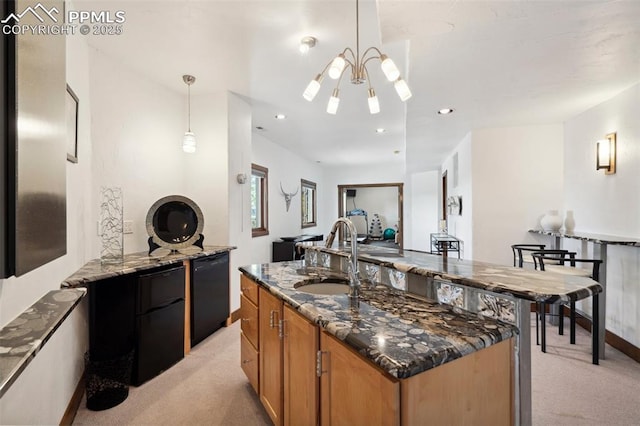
x=362, y=202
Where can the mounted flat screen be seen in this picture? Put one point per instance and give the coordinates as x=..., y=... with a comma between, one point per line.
x=174, y=222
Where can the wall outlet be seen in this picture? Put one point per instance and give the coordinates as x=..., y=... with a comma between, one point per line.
x=127, y=227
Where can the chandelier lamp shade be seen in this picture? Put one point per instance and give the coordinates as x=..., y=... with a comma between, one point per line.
x=356, y=65
x=189, y=139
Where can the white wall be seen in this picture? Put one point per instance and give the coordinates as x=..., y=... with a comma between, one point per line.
x=287, y=168
x=41, y=394
x=460, y=226
x=137, y=127
x=609, y=204
x=517, y=177
x=421, y=209
x=239, y=195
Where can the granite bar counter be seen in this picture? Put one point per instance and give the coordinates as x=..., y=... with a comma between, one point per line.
x=402, y=334
x=26, y=335
x=535, y=286
x=95, y=270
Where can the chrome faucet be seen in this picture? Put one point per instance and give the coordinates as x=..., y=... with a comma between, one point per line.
x=354, y=281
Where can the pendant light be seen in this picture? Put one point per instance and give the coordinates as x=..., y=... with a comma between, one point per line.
x=356, y=65
x=189, y=139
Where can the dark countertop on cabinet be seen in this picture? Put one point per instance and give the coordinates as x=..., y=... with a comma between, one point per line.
x=95, y=270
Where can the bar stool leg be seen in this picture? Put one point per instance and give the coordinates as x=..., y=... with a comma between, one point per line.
x=595, y=330
x=543, y=330
x=537, y=323
x=572, y=318
x=561, y=319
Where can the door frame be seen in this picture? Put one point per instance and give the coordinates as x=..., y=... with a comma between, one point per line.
x=341, y=207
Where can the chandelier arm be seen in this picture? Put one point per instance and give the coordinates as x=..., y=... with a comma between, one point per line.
x=370, y=49
x=366, y=73
x=353, y=55
x=368, y=59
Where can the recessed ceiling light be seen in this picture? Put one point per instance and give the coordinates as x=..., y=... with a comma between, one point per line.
x=381, y=130
x=445, y=111
x=307, y=43
x=280, y=116
x=396, y=152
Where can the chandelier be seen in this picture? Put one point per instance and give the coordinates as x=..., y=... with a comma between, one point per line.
x=357, y=67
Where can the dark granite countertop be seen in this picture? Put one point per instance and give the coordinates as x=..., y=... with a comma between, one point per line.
x=94, y=270
x=594, y=238
x=22, y=338
x=403, y=334
x=547, y=287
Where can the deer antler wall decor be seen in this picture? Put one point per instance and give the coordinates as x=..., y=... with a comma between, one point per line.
x=288, y=196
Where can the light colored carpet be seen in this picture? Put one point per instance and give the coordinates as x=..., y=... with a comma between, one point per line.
x=208, y=387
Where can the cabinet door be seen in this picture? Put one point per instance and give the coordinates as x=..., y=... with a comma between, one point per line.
x=300, y=379
x=270, y=313
x=249, y=320
x=353, y=391
x=249, y=361
x=209, y=295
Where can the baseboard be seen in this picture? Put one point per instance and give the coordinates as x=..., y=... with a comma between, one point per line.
x=70, y=413
x=235, y=316
x=613, y=340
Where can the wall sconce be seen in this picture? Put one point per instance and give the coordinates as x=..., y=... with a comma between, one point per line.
x=606, y=154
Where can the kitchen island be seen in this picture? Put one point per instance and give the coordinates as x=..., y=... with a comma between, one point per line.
x=389, y=357
x=498, y=291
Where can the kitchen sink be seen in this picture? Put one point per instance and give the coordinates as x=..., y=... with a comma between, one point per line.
x=328, y=286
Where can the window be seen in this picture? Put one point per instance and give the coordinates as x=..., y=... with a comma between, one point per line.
x=309, y=201
x=259, y=200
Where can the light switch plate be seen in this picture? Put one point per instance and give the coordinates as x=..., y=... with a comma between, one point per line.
x=127, y=227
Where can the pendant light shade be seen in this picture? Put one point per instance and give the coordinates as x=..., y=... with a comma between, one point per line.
x=189, y=139
x=189, y=142
x=334, y=101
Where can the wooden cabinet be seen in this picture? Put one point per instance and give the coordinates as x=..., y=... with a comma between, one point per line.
x=270, y=348
x=249, y=355
x=280, y=350
x=301, y=383
x=353, y=391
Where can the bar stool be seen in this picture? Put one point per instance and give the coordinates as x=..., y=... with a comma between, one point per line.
x=560, y=258
x=517, y=249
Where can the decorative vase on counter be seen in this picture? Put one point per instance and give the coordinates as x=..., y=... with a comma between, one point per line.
x=551, y=221
x=569, y=222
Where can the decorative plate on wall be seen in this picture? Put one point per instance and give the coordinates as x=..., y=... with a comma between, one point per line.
x=174, y=222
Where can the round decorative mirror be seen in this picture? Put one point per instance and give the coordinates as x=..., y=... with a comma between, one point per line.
x=174, y=222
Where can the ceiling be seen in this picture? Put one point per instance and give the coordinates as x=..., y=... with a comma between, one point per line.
x=497, y=63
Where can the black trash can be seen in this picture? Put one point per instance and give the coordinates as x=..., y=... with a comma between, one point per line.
x=107, y=381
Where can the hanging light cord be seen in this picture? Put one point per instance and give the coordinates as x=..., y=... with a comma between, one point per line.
x=189, y=103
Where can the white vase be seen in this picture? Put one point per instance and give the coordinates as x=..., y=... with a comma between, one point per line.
x=551, y=221
x=569, y=222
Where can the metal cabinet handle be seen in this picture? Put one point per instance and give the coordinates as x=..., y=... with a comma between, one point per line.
x=319, y=369
x=281, y=329
x=272, y=321
x=245, y=319
x=246, y=361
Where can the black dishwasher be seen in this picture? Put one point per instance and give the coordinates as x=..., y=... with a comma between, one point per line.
x=209, y=295
x=159, y=322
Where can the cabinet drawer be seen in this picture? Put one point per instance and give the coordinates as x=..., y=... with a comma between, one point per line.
x=161, y=288
x=249, y=320
x=249, y=289
x=249, y=361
